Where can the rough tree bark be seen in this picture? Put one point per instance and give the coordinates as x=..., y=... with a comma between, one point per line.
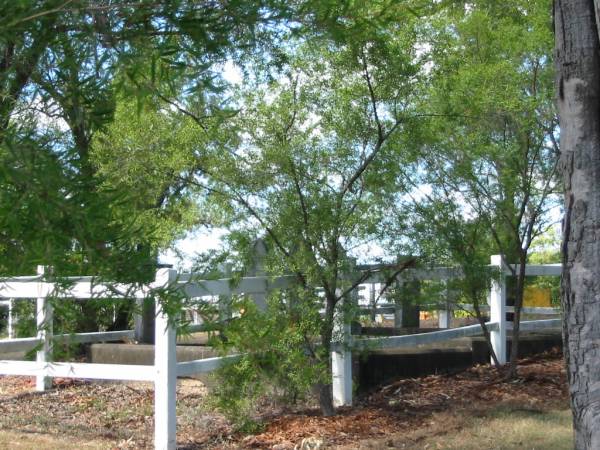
x=578, y=98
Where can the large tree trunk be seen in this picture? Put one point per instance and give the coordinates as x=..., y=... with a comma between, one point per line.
x=578, y=96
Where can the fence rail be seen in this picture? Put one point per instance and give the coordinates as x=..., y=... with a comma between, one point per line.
x=414, y=340
x=185, y=369
x=537, y=325
x=120, y=372
x=80, y=290
x=27, y=344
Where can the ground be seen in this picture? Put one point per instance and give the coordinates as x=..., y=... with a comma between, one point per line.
x=468, y=410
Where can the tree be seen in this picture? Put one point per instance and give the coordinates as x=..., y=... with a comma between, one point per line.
x=148, y=157
x=61, y=63
x=310, y=172
x=578, y=96
x=444, y=236
x=151, y=154
x=493, y=147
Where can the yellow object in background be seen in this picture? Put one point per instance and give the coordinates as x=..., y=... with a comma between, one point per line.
x=535, y=296
x=425, y=315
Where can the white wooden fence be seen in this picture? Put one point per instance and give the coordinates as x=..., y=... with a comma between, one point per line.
x=165, y=370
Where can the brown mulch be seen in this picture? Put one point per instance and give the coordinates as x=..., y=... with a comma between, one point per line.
x=410, y=403
x=122, y=414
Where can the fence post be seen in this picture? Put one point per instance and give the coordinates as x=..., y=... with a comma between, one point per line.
x=258, y=270
x=341, y=355
x=44, y=334
x=498, y=310
x=11, y=325
x=372, y=299
x=445, y=315
x=398, y=312
x=165, y=366
x=341, y=364
x=224, y=302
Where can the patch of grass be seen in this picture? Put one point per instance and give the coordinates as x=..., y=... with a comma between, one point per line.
x=36, y=441
x=504, y=429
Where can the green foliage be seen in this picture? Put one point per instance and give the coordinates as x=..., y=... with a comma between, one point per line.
x=275, y=359
x=311, y=170
x=24, y=313
x=494, y=145
x=61, y=67
x=150, y=155
x=428, y=127
x=545, y=249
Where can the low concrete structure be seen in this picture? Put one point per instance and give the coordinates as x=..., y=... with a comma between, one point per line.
x=189, y=348
x=378, y=366
x=142, y=354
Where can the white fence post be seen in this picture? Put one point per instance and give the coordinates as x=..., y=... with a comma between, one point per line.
x=498, y=310
x=165, y=365
x=341, y=371
x=341, y=376
x=341, y=357
x=44, y=334
x=11, y=320
x=445, y=315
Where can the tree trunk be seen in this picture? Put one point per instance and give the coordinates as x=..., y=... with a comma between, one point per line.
x=484, y=329
x=325, y=389
x=518, y=306
x=326, y=399
x=578, y=98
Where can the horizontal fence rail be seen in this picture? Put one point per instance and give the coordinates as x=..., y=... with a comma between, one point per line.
x=80, y=290
x=27, y=344
x=414, y=340
x=537, y=325
x=120, y=372
x=532, y=270
x=542, y=311
x=185, y=369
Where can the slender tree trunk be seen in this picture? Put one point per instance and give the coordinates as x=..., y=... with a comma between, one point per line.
x=518, y=306
x=484, y=329
x=325, y=389
x=578, y=98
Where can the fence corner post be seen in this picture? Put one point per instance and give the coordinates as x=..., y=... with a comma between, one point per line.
x=498, y=310
x=165, y=366
x=44, y=334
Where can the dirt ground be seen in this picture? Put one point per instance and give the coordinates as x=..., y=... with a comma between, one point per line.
x=437, y=411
